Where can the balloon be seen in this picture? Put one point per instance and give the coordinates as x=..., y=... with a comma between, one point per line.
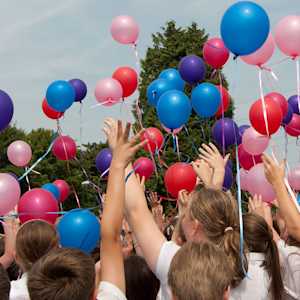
x=225, y=98
x=192, y=69
x=173, y=109
x=298, y=199
x=80, y=89
x=155, y=139
x=53, y=189
x=247, y=161
x=243, y=179
x=175, y=131
x=156, y=89
x=293, y=102
x=280, y=100
x=10, y=193
x=173, y=77
x=60, y=95
x=262, y=55
x=64, y=148
x=245, y=27
x=38, y=204
x=253, y=142
x=6, y=110
x=215, y=53
x=19, y=153
x=128, y=79
x=293, y=127
x=273, y=114
x=206, y=99
x=288, y=117
x=180, y=176
x=79, y=229
x=294, y=178
x=242, y=129
x=108, y=91
x=259, y=185
x=228, y=128
x=64, y=189
x=49, y=112
x=103, y=160
x=124, y=30
x=228, y=178
x=287, y=34
x=144, y=167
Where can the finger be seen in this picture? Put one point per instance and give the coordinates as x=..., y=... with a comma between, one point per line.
x=226, y=158
x=138, y=177
x=214, y=148
x=120, y=130
x=207, y=148
x=136, y=138
x=106, y=131
x=143, y=181
x=126, y=132
x=139, y=146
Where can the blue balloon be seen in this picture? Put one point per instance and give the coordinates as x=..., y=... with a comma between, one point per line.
x=60, y=95
x=156, y=89
x=173, y=109
x=53, y=189
x=298, y=199
x=245, y=27
x=80, y=229
x=206, y=100
x=173, y=76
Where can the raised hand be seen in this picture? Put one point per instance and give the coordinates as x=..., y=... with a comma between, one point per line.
x=274, y=172
x=204, y=171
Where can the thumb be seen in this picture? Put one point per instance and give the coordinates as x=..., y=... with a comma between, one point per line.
x=226, y=158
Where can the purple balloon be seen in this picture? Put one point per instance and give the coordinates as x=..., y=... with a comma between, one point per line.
x=103, y=160
x=293, y=102
x=192, y=69
x=80, y=89
x=6, y=110
x=228, y=178
x=288, y=117
x=230, y=129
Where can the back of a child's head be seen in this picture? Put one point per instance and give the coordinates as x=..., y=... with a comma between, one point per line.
x=4, y=284
x=34, y=239
x=199, y=271
x=141, y=283
x=62, y=274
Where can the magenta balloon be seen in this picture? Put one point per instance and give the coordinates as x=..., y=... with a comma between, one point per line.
x=258, y=184
x=253, y=142
x=19, y=153
x=10, y=193
x=294, y=178
x=243, y=179
x=144, y=167
x=108, y=91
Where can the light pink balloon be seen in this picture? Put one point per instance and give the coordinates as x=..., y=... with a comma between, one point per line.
x=262, y=55
x=253, y=142
x=258, y=184
x=10, y=193
x=287, y=35
x=124, y=30
x=243, y=179
x=108, y=91
x=19, y=153
x=294, y=178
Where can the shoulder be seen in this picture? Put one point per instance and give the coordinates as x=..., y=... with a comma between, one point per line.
x=109, y=291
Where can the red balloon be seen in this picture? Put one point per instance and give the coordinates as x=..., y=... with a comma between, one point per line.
x=64, y=148
x=247, y=161
x=63, y=188
x=144, y=167
x=128, y=79
x=293, y=128
x=280, y=100
x=37, y=204
x=155, y=139
x=274, y=116
x=215, y=53
x=180, y=176
x=225, y=99
x=50, y=112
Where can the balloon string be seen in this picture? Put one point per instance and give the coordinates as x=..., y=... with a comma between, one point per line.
x=263, y=101
x=131, y=172
x=80, y=128
x=286, y=145
x=192, y=139
x=222, y=107
x=27, y=179
x=298, y=82
x=148, y=137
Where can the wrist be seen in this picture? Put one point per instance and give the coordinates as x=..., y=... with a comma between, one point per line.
x=117, y=164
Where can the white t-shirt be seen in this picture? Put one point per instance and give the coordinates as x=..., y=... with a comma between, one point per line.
x=108, y=291
x=18, y=289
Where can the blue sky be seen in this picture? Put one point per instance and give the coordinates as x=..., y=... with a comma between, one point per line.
x=42, y=41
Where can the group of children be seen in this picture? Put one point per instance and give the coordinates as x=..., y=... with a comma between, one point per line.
x=200, y=257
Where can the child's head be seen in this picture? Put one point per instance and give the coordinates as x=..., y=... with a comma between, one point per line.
x=4, y=284
x=141, y=283
x=62, y=274
x=199, y=271
x=34, y=239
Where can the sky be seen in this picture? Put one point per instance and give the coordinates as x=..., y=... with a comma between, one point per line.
x=42, y=41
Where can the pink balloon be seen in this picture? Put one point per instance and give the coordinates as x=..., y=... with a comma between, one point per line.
x=38, y=204
x=64, y=148
x=294, y=178
x=175, y=131
x=243, y=179
x=63, y=188
x=10, y=193
x=19, y=153
x=124, y=30
x=253, y=142
x=144, y=167
x=262, y=55
x=287, y=33
x=108, y=91
x=258, y=184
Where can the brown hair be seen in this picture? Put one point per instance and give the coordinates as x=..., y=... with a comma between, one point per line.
x=192, y=260
x=217, y=213
x=259, y=238
x=62, y=274
x=34, y=239
x=4, y=284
